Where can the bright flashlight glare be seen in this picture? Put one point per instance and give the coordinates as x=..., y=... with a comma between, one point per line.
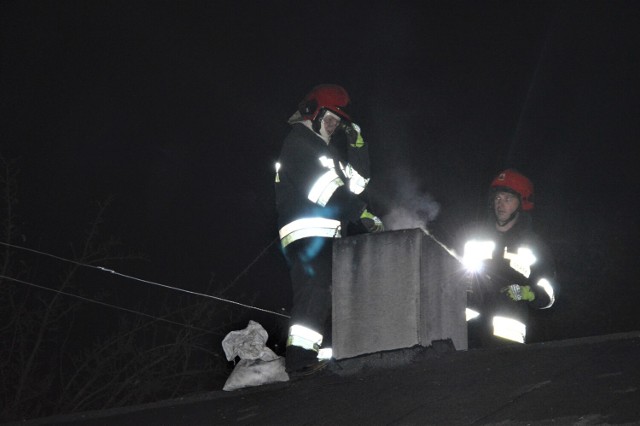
x=475, y=252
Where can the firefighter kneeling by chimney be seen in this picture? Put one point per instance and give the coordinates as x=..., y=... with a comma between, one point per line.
x=509, y=268
x=321, y=176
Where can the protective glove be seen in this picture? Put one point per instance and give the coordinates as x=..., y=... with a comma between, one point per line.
x=371, y=222
x=519, y=292
x=354, y=135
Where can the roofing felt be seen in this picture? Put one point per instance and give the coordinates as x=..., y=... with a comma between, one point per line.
x=593, y=380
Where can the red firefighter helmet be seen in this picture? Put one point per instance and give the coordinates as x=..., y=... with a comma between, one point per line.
x=325, y=96
x=513, y=181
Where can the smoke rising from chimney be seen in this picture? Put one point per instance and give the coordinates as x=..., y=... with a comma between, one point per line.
x=410, y=207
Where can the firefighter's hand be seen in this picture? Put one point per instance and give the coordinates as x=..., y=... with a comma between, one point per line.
x=519, y=292
x=354, y=135
x=371, y=222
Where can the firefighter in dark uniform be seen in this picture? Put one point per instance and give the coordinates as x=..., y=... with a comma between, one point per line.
x=511, y=269
x=321, y=176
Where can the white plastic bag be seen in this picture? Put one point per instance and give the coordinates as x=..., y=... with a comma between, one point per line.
x=258, y=364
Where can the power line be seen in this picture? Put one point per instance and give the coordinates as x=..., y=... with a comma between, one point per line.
x=86, y=299
x=131, y=277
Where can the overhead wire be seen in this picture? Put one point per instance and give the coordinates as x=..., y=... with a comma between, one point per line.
x=131, y=277
x=109, y=305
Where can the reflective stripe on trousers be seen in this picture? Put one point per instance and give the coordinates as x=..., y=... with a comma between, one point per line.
x=509, y=328
x=506, y=328
x=304, y=337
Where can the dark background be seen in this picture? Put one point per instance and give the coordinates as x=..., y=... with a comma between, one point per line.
x=177, y=109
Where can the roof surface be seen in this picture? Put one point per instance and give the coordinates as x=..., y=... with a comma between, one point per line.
x=594, y=380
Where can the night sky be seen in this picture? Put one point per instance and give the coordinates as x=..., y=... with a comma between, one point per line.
x=177, y=110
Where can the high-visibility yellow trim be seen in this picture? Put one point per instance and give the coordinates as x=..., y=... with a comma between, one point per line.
x=548, y=288
x=325, y=353
x=359, y=140
x=309, y=227
x=357, y=183
x=304, y=337
x=324, y=187
x=509, y=328
x=521, y=261
x=471, y=314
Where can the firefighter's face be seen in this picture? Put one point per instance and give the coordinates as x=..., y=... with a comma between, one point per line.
x=504, y=205
x=330, y=122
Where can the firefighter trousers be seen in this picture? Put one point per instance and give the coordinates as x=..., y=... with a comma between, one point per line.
x=310, y=269
x=491, y=303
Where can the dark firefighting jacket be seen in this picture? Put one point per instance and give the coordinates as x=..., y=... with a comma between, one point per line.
x=317, y=189
x=517, y=256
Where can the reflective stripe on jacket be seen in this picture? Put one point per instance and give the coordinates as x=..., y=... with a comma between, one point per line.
x=312, y=197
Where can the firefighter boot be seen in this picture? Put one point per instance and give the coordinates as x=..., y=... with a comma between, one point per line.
x=302, y=362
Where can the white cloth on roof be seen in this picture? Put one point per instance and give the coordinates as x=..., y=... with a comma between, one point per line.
x=258, y=364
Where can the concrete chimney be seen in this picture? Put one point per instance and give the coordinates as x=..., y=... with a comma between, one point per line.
x=394, y=290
